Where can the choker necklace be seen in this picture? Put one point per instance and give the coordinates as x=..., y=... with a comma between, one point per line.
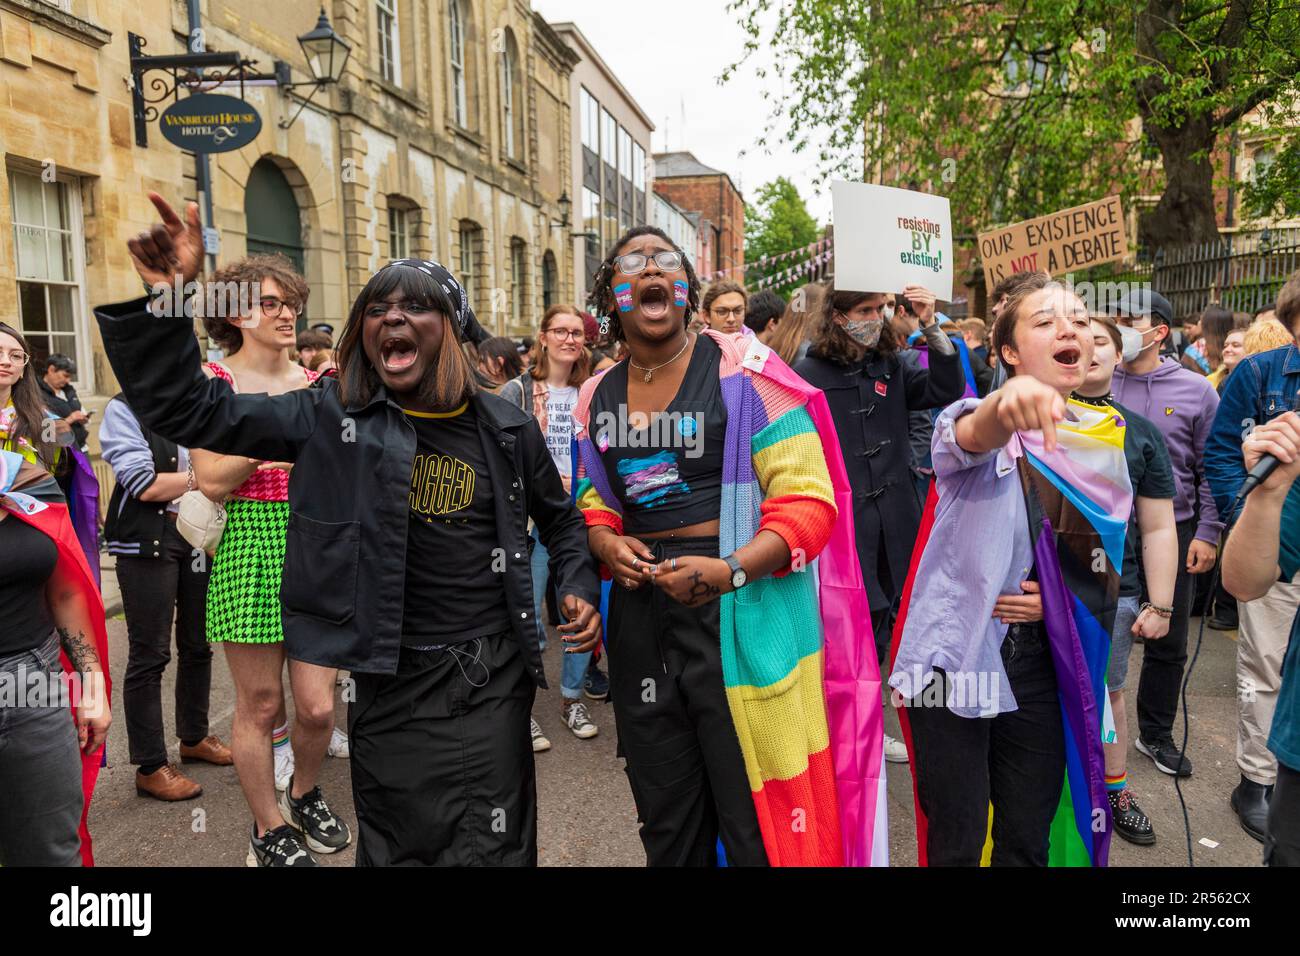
x=649, y=372
x=1099, y=400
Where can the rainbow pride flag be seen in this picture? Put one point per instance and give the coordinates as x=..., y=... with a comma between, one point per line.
x=1078, y=499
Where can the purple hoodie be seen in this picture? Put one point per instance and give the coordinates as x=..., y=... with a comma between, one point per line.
x=1182, y=404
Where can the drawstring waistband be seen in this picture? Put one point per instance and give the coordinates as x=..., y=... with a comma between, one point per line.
x=460, y=656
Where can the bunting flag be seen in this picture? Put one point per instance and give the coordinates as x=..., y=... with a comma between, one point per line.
x=1078, y=500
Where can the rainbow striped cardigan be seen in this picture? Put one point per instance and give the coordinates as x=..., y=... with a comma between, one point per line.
x=798, y=658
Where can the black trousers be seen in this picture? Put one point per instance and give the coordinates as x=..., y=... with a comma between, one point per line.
x=674, y=726
x=1016, y=760
x=1163, y=661
x=154, y=591
x=1283, y=845
x=442, y=761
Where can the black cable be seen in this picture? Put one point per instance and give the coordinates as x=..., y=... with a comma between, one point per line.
x=1187, y=674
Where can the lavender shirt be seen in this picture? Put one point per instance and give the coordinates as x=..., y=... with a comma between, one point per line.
x=979, y=548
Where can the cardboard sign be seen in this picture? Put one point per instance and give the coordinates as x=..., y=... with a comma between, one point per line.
x=1058, y=244
x=887, y=238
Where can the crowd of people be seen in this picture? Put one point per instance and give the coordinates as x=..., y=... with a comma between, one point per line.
x=755, y=524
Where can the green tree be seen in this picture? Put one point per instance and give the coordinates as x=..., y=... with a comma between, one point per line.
x=1015, y=109
x=777, y=223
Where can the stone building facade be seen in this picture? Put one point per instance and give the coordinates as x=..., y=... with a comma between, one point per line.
x=710, y=193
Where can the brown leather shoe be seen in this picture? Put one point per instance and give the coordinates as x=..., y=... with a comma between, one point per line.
x=208, y=750
x=166, y=783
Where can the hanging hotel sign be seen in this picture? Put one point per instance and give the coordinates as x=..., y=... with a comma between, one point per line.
x=210, y=123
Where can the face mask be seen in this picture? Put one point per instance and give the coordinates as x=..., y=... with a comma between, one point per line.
x=887, y=311
x=1131, y=340
x=866, y=332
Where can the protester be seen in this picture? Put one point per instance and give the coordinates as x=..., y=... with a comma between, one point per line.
x=1013, y=740
x=1231, y=352
x=1152, y=480
x=763, y=314
x=48, y=762
x=724, y=305
x=1263, y=549
x=1262, y=387
x=793, y=335
x=499, y=361
x=410, y=487
x=323, y=362
x=704, y=480
x=1265, y=333
x=161, y=579
x=1182, y=404
x=548, y=392
x=975, y=333
x=61, y=398
x=23, y=418
x=855, y=360
x=308, y=343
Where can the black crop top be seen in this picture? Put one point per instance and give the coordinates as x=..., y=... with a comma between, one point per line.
x=667, y=475
x=27, y=560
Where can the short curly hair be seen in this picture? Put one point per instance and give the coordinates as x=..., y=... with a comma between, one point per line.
x=231, y=284
x=601, y=297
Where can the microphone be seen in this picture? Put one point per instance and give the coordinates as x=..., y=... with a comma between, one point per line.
x=1264, y=467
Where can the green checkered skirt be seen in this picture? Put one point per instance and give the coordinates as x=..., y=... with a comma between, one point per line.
x=244, y=590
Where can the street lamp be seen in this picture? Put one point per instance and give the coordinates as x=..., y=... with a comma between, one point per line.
x=566, y=207
x=327, y=55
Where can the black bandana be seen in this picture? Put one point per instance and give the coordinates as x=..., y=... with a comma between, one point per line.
x=466, y=324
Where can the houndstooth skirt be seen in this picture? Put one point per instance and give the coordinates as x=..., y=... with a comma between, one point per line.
x=244, y=590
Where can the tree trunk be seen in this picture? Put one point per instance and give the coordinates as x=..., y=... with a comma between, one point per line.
x=1185, y=213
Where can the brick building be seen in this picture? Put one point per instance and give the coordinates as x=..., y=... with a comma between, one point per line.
x=709, y=193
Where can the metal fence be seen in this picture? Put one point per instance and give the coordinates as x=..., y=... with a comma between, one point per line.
x=1240, y=271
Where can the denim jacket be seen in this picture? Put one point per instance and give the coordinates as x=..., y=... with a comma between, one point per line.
x=1259, y=389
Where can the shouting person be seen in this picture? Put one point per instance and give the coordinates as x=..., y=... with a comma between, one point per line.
x=406, y=559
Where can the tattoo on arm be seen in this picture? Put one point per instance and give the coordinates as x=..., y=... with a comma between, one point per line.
x=80, y=649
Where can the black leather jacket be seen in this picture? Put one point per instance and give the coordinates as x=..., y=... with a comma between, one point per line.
x=345, y=561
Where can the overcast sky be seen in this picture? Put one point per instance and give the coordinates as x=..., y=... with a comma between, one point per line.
x=668, y=54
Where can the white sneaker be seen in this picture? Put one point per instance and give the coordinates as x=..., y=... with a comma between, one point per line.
x=575, y=716
x=283, y=766
x=540, y=742
x=339, y=746
x=895, y=750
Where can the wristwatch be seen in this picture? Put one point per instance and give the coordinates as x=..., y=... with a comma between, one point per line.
x=738, y=576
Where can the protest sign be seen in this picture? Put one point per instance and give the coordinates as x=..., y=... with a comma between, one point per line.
x=1057, y=244
x=887, y=238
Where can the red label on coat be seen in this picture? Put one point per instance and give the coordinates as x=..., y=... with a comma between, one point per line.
x=880, y=388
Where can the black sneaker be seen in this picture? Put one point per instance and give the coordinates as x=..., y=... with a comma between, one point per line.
x=311, y=815
x=1166, y=756
x=1223, y=623
x=281, y=847
x=1130, y=822
x=595, y=686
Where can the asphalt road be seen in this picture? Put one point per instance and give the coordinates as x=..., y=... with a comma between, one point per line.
x=586, y=816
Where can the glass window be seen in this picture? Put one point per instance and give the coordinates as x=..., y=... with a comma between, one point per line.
x=45, y=233
x=608, y=147
x=624, y=153
x=400, y=238
x=468, y=247
x=389, y=50
x=591, y=220
x=611, y=222
x=590, y=121
x=459, y=109
x=638, y=166
x=518, y=286
x=508, y=100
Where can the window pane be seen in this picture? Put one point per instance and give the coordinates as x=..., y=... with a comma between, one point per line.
x=62, y=318
x=590, y=135
x=32, y=261
x=591, y=220
x=607, y=141
x=31, y=308
x=26, y=198
x=624, y=153
x=60, y=252
x=638, y=166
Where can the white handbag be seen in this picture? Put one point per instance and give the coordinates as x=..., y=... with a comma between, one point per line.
x=200, y=520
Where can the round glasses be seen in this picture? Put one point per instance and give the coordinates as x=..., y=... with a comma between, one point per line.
x=634, y=263
x=17, y=358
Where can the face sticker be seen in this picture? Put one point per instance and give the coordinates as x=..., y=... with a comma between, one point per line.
x=681, y=293
x=623, y=296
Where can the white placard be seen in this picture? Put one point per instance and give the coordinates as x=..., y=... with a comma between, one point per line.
x=886, y=238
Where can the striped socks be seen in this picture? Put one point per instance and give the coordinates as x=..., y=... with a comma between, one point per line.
x=1116, y=784
x=280, y=737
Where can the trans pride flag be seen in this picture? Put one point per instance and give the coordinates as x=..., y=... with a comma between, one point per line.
x=1078, y=499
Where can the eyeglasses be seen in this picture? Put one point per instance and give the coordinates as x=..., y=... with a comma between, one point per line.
x=17, y=358
x=565, y=335
x=272, y=306
x=738, y=312
x=634, y=263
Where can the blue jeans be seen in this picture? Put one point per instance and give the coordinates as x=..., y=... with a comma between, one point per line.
x=575, y=665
